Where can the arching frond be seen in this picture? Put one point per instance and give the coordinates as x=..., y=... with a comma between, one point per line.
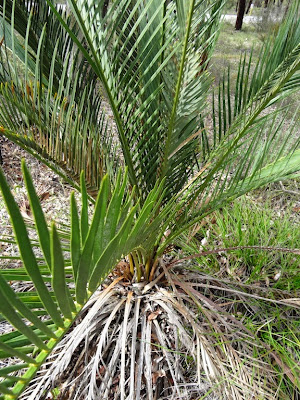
x=63, y=280
x=256, y=79
x=151, y=58
x=51, y=100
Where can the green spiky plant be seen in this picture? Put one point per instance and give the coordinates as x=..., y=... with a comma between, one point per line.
x=150, y=175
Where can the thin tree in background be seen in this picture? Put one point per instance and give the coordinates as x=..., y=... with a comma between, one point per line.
x=249, y=6
x=240, y=15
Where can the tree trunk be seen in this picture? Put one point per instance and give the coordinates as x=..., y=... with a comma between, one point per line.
x=240, y=15
x=249, y=6
x=266, y=3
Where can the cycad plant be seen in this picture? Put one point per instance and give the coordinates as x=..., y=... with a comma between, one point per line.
x=116, y=97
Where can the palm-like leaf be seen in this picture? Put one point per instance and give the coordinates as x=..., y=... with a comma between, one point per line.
x=151, y=62
x=45, y=87
x=132, y=47
x=94, y=247
x=41, y=19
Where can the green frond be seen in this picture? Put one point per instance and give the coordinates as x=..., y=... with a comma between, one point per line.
x=150, y=61
x=269, y=154
x=41, y=317
x=134, y=51
x=255, y=81
x=52, y=105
